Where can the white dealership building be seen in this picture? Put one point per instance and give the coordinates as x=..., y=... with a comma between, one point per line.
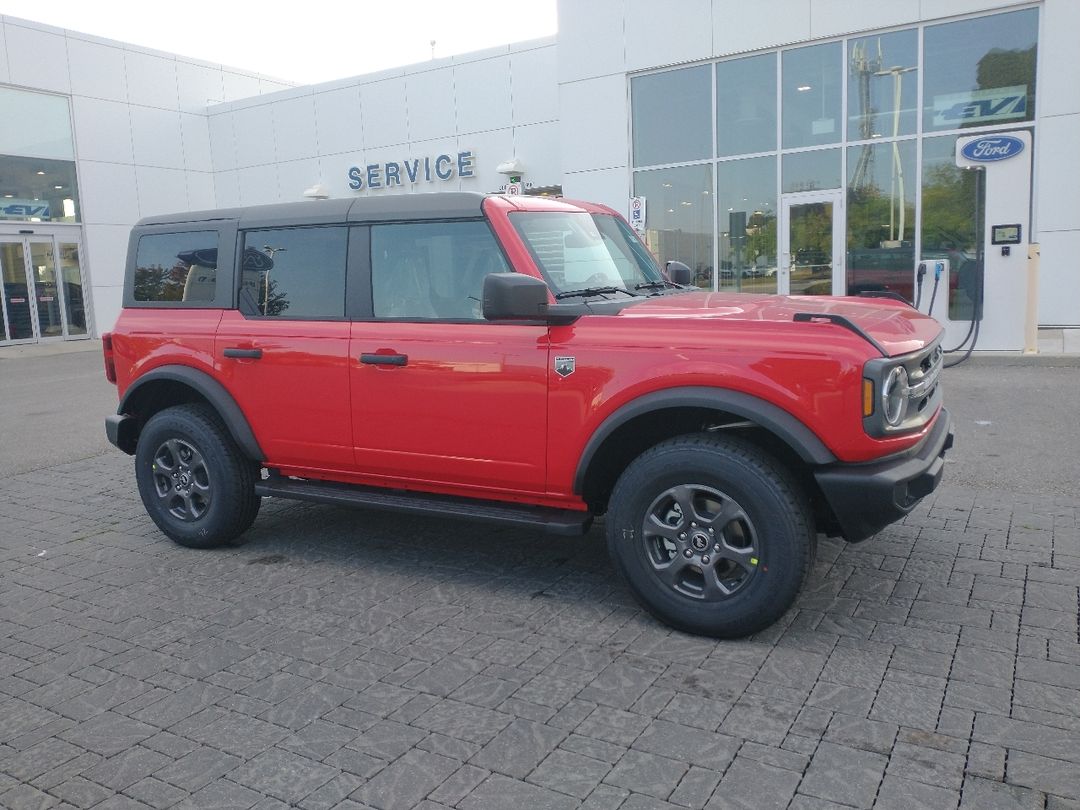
x=800, y=146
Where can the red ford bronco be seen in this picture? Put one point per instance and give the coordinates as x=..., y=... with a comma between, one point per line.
x=522, y=361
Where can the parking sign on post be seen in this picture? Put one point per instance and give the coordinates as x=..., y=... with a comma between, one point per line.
x=637, y=213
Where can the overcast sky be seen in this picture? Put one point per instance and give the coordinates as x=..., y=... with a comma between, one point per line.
x=304, y=42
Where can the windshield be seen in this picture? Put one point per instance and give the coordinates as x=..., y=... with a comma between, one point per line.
x=578, y=251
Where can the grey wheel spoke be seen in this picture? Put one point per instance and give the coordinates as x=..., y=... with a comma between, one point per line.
x=684, y=497
x=714, y=588
x=730, y=511
x=739, y=556
x=671, y=572
x=655, y=526
x=182, y=479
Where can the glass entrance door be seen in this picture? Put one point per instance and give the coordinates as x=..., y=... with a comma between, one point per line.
x=812, y=243
x=42, y=289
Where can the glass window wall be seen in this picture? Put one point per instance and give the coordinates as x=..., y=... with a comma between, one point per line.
x=38, y=190
x=980, y=72
x=35, y=125
x=746, y=203
x=680, y=217
x=672, y=114
x=883, y=85
x=812, y=171
x=746, y=105
x=811, y=95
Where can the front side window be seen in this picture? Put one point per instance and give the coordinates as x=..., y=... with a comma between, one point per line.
x=432, y=270
x=578, y=251
x=295, y=272
x=177, y=267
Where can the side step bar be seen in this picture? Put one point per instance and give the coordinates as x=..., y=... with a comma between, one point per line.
x=564, y=522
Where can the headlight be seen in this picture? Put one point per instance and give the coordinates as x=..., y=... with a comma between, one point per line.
x=894, y=396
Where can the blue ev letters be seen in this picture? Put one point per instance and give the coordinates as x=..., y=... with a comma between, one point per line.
x=414, y=170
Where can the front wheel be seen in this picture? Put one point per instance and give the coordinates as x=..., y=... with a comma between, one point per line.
x=712, y=534
x=195, y=483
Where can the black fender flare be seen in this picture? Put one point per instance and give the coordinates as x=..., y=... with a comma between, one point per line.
x=770, y=417
x=210, y=390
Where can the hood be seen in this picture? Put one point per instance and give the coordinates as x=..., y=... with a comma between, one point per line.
x=896, y=327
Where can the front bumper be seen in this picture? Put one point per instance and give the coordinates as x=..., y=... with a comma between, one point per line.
x=865, y=498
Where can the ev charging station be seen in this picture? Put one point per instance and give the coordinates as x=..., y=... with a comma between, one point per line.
x=998, y=282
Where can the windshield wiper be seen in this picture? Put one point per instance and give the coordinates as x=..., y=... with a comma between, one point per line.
x=593, y=291
x=657, y=285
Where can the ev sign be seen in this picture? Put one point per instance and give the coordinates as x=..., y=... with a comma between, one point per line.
x=637, y=213
x=992, y=148
x=12, y=208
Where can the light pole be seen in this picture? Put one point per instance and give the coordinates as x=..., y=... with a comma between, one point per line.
x=896, y=182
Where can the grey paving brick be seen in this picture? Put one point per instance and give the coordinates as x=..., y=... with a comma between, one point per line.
x=900, y=793
x=198, y=768
x=702, y=748
x=613, y=725
x=754, y=785
x=499, y=792
x=408, y=780
x=156, y=793
x=283, y=775
x=650, y=774
x=80, y=792
x=984, y=794
x=126, y=768
x=462, y=720
x=846, y=775
x=109, y=733
x=221, y=795
x=929, y=765
x=567, y=772
x=1026, y=736
x=1044, y=774
x=519, y=748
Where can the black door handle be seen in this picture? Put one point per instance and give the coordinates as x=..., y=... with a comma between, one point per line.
x=384, y=359
x=249, y=354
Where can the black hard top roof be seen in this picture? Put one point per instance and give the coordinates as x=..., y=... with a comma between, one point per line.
x=437, y=205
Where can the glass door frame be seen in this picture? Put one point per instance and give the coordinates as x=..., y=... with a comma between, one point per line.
x=53, y=239
x=834, y=196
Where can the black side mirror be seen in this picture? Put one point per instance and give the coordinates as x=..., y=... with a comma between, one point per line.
x=514, y=297
x=678, y=273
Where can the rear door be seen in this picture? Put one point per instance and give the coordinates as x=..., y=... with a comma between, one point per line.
x=443, y=399
x=284, y=353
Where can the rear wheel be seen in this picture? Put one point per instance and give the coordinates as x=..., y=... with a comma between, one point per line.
x=712, y=535
x=195, y=483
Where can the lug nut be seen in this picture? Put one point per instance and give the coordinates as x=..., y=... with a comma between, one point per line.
x=682, y=535
x=693, y=525
x=705, y=560
x=711, y=530
x=688, y=553
x=716, y=547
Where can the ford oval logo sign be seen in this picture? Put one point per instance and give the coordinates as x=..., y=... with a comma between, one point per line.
x=988, y=150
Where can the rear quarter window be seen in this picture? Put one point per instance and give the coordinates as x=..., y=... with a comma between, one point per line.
x=176, y=268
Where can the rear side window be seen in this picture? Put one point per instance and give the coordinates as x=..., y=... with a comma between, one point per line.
x=177, y=267
x=432, y=271
x=295, y=272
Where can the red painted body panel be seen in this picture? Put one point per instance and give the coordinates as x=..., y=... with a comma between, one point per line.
x=468, y=409
x=296, y=396
x=144, y=339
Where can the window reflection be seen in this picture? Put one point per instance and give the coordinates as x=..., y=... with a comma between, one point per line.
x=881, y=218
x=679, y=226
x=980, y=72
x=811, y=95
x=812, y=171
x=38, y=190
x=746, y=105
x=949, y=221
x=671, y=116
x=882, y=85
x=746, y=201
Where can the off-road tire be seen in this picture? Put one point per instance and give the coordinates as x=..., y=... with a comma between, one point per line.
x=222, y=503
x=766, y=574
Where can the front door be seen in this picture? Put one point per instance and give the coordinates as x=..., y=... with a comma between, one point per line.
x=812, y=243
x=42, y=290
x=443, y=399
